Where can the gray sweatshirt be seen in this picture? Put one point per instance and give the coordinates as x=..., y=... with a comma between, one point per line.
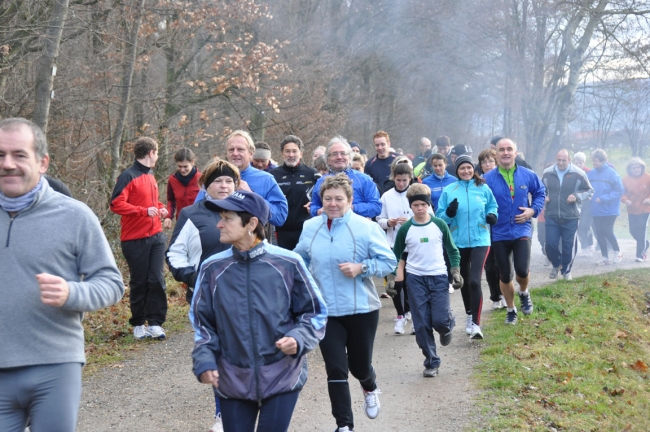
x=60, y=236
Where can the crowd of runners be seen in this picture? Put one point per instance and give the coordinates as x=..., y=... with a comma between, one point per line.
x=279, y=258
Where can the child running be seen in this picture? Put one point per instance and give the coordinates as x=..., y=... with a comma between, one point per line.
x=425, y=236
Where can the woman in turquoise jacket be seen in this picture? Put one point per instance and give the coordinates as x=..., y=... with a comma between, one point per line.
x=344, y=251
x=468, y=206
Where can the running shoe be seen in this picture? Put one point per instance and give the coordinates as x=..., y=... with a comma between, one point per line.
x=371, y=403
x=496, y=305
x=155, y=332
x=526, y=303
x=445, y=339
x=412, y=328
x=430, y=372
x=504, y=305
x=511, y=318
x=567, y=276
x=217, y=426
x=407, y=315
x=554, y=272
x=618, y=257
x=468, y=324
x=476, y=332
x=385, y=295
x=603, y=262
x=399, y=324
x=343, y=429
x=139, y=332
x=546, y=262
x=640, y=259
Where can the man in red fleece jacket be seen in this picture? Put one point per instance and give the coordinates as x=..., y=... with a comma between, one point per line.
x=135, y=198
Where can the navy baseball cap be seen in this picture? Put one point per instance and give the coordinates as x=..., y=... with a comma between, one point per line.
x=242, y=201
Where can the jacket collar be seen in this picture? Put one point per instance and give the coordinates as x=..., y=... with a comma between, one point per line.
x=251, y=254
x=142, y=168
x=292, y=169
x=339, y=221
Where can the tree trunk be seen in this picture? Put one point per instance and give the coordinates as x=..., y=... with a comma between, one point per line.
x=127, y=80
x=45, y=65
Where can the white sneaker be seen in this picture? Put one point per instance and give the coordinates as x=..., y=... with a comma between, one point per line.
x=412, y=328
x=476, y=332
x=344, y=429
x=567, y=276
x=156, y=332
x=496, y=305
x=139, y=332
x=602, y=262
x=217, y=426
x=407, y=315
x=371, y=403
x=469, y=324
x=451, y=289
x=504, y=305
x=399, y=324
x=618, y=257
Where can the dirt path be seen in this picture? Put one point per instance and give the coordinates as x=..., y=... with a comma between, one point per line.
x=156, y=391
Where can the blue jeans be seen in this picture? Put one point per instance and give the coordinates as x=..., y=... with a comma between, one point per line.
x=275, y=413
x=564, y=231
x=430, y=309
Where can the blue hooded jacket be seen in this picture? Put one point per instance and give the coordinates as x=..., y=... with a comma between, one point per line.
x=608, y=188
x=468, y=228
x=526, y=182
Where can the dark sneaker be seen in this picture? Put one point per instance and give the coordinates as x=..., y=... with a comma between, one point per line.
x=430, y=372
x=526, y=304
x=554, y=272
x=511, y=318
x=445, y=339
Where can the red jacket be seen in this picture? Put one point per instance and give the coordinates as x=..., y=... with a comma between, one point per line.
x=135, y=191
x=179, y=195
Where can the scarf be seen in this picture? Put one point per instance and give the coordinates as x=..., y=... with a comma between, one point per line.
x=20, y=203
x=185, y=180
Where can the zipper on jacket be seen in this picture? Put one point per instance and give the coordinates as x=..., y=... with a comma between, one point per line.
x=469, y=227
x=11, y=222
x=253, y=334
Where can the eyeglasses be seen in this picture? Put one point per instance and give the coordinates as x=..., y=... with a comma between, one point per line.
x=337, y=154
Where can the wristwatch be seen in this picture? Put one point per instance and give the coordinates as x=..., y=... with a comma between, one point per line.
x=364, y=268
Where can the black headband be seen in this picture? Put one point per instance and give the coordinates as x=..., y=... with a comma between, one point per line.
x=420, y=197
x=224, y=171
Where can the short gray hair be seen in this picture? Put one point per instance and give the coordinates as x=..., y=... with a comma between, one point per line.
x=599, y=154
x=40, y=142
x=341, y=140
x=580, y=156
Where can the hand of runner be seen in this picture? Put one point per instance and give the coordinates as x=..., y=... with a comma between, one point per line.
x=526, y=213
x=287, y=345
x=210, y=377
x=54, y=289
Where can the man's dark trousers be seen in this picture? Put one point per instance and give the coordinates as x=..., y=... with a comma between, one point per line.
x=145, y=258
x=565, y=231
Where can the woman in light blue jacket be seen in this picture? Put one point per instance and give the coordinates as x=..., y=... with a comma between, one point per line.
x=468, y=206
x=344, y=251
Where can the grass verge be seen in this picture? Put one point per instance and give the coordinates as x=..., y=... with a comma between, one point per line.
x=109, y=336
x=579, y=363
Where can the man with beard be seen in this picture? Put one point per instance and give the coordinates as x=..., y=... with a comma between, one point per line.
x=296, y=181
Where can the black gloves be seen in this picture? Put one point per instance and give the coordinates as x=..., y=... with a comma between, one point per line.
x=452, y=209
x=491, y=218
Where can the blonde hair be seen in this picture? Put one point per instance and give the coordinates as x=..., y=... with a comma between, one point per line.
x=418, y=189
x=246, y=136
x=338, y=181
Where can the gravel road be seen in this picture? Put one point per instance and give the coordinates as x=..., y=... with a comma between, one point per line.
x=155, y=391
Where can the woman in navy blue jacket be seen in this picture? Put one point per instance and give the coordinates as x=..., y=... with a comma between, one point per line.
x=605, y=204
x=257, y=313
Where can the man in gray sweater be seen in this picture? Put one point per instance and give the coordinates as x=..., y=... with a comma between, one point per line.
x=56, y=264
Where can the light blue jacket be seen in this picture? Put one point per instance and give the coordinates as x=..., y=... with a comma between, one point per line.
x=263, y=184
x=468, y=228
x=608, y=188
x=437, y=185
x=354, y=239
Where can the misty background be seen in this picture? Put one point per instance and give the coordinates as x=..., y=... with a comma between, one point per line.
x=549, y=74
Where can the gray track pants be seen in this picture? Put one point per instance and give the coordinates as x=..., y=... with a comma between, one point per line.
x=47, y=395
